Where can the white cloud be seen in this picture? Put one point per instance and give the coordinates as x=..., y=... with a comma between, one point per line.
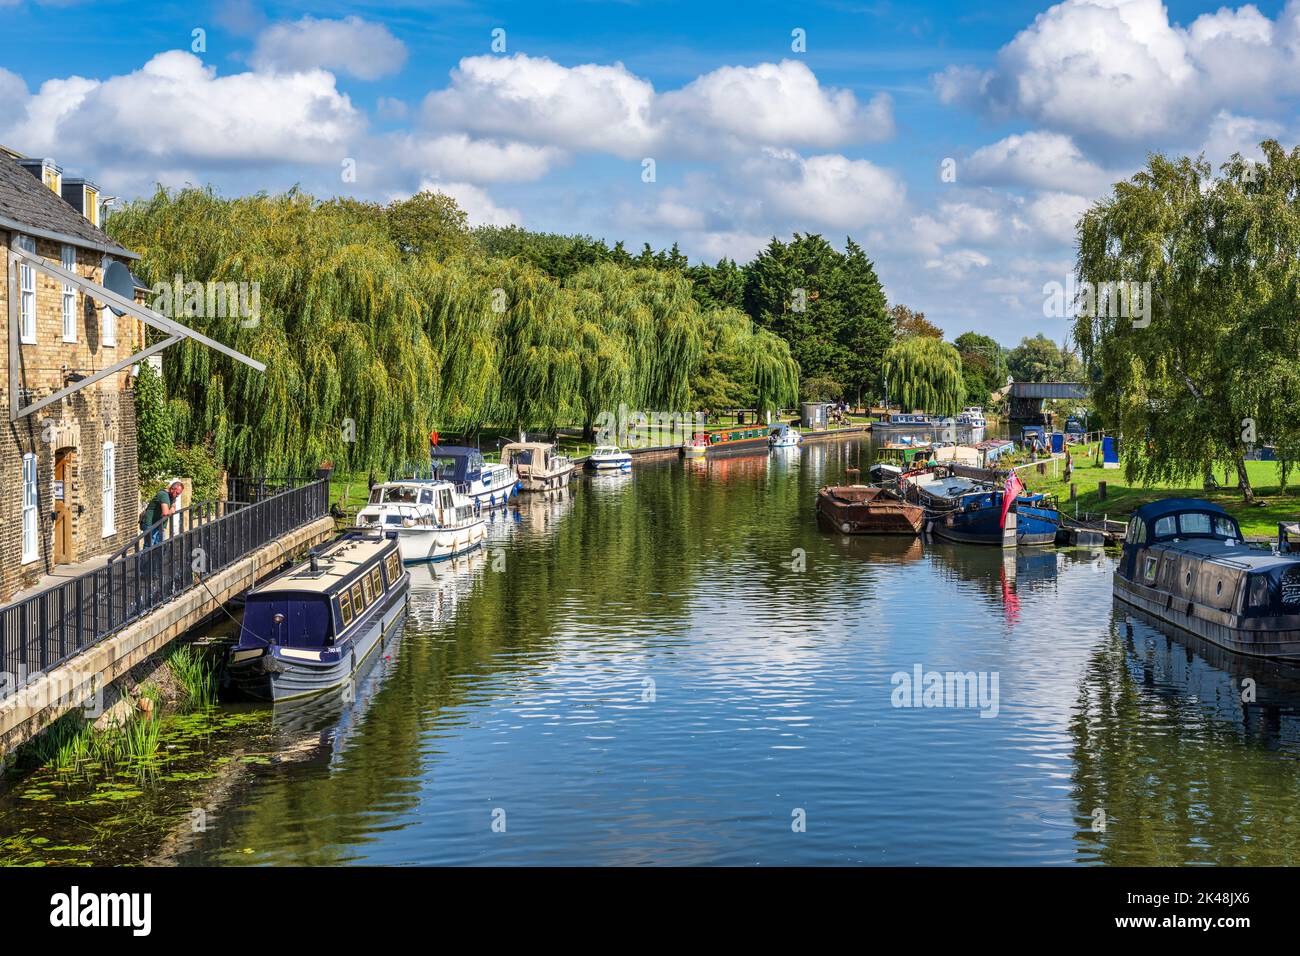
x=176, y=111
x=588, y=107
x=1054, y=215
x=457, y=156
x=827, y=190
x=1039, y=159
x=1120, y=71
x=608, y=109
x=478, y=205
x=778, y=104
x=351, y=45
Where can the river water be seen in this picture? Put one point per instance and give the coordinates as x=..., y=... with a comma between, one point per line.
x=679, y=666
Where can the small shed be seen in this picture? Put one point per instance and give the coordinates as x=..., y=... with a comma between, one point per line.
x=814, y=415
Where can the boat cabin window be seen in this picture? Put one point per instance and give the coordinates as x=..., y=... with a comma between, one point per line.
x=367, y=591
x=289, y=621
x=358, y=600
x=426, y=497
x=345, y=608
x=398, y=495
x=1166, y=526
x=1194, y=523
x=376, y=581
x=393, y=565
x=444, y=498
x=523, y=456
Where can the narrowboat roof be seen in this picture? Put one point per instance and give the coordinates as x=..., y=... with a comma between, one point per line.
x=339, y=562
x=1167, y=506
x=1240, y=555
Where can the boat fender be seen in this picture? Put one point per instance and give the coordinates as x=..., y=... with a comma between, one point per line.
x=846, y=527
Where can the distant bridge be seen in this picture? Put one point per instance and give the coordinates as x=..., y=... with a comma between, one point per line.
x=1026, y=406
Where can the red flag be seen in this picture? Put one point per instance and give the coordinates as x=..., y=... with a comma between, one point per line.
x=1010, y=490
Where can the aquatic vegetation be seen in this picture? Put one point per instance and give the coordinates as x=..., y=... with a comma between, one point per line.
x=196, y=673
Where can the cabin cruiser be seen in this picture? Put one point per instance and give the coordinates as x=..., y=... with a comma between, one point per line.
x=609, y=458
x=784, y=436
x=309, y=628
x=485, y=484
x=973, y=417
x=1185, y=563
x=696, y=448
x=538, y=465
x=433, y=520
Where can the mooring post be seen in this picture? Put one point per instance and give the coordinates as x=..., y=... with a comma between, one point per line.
x=1101, y=491
x=1074, y=491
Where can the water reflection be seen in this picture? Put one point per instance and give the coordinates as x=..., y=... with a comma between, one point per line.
x=662, y=667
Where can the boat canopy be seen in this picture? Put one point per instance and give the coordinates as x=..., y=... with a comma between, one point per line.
x=457, y=463
x=1182, y=517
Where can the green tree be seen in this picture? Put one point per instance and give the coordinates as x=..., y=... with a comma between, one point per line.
x=153, y=423
x=925, y=373
x=983, y=365
x=428, y=223
x=1036, y=359
x=908, y=322
x=1216, y=363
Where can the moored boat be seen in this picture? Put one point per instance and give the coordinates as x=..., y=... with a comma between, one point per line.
x=739, y=438
x=964, y=509
x=1037, y=520
x=432, y=519
x=486, y=484
x=609, y=458
x=309, y=628
x=784, y=435
x=866, y=509
x=1184, y=562
x=539, y=466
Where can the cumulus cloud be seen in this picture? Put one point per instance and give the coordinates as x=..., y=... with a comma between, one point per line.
x=458, y=156
x=779, y=104
x=1041, y=160
x=827, y=190
x=1120, y=71
x=588, y=107
x=177, y=111
x=607, y=108
x=351, y=45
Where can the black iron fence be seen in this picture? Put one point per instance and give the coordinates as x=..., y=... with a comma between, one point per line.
x=51, y=626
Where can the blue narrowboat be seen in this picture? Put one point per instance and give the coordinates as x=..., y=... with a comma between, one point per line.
x=1037, y=521
x=1185, y=563
x=963, y=509
x=307, y=629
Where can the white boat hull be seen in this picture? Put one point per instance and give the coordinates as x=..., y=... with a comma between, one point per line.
x=494, y=495
x=610, y=464
x=419, y=545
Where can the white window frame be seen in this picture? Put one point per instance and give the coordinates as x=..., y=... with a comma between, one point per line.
x=26, y=293
x=30, y=511
x=69, y=262
x=108, y=488
x=107, y=318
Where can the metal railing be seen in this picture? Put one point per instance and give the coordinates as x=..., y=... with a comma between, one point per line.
x=49, y=627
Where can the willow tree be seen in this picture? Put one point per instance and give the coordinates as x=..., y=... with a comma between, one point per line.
x=925, y=372
x=350, y=371
x=1211, y=368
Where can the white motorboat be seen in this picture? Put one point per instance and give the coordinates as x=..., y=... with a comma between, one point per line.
x=785, y=436
x=609, y=458
x=972, y=416
x=538, y=465
x=432, y=519
x=485, y=484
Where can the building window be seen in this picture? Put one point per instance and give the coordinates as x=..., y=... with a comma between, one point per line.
x=110, y=487
x=91, y=207
x=107, y=320
x=69, y=296
x=26, y=293
x=31, y=526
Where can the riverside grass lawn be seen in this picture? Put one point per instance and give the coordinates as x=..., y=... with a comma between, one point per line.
x=1271, y=504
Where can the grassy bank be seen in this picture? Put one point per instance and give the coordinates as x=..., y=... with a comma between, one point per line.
x=1261, y=518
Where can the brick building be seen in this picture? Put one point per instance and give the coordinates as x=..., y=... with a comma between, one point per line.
x=68, y=483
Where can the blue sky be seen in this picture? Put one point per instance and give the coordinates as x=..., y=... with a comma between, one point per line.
x=1039, y=107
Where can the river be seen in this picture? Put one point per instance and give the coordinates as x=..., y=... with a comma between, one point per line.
x=680, y=667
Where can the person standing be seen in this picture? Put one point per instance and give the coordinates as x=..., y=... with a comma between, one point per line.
x=163, y=505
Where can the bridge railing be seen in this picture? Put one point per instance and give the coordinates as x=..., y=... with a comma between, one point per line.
x=51, y=626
